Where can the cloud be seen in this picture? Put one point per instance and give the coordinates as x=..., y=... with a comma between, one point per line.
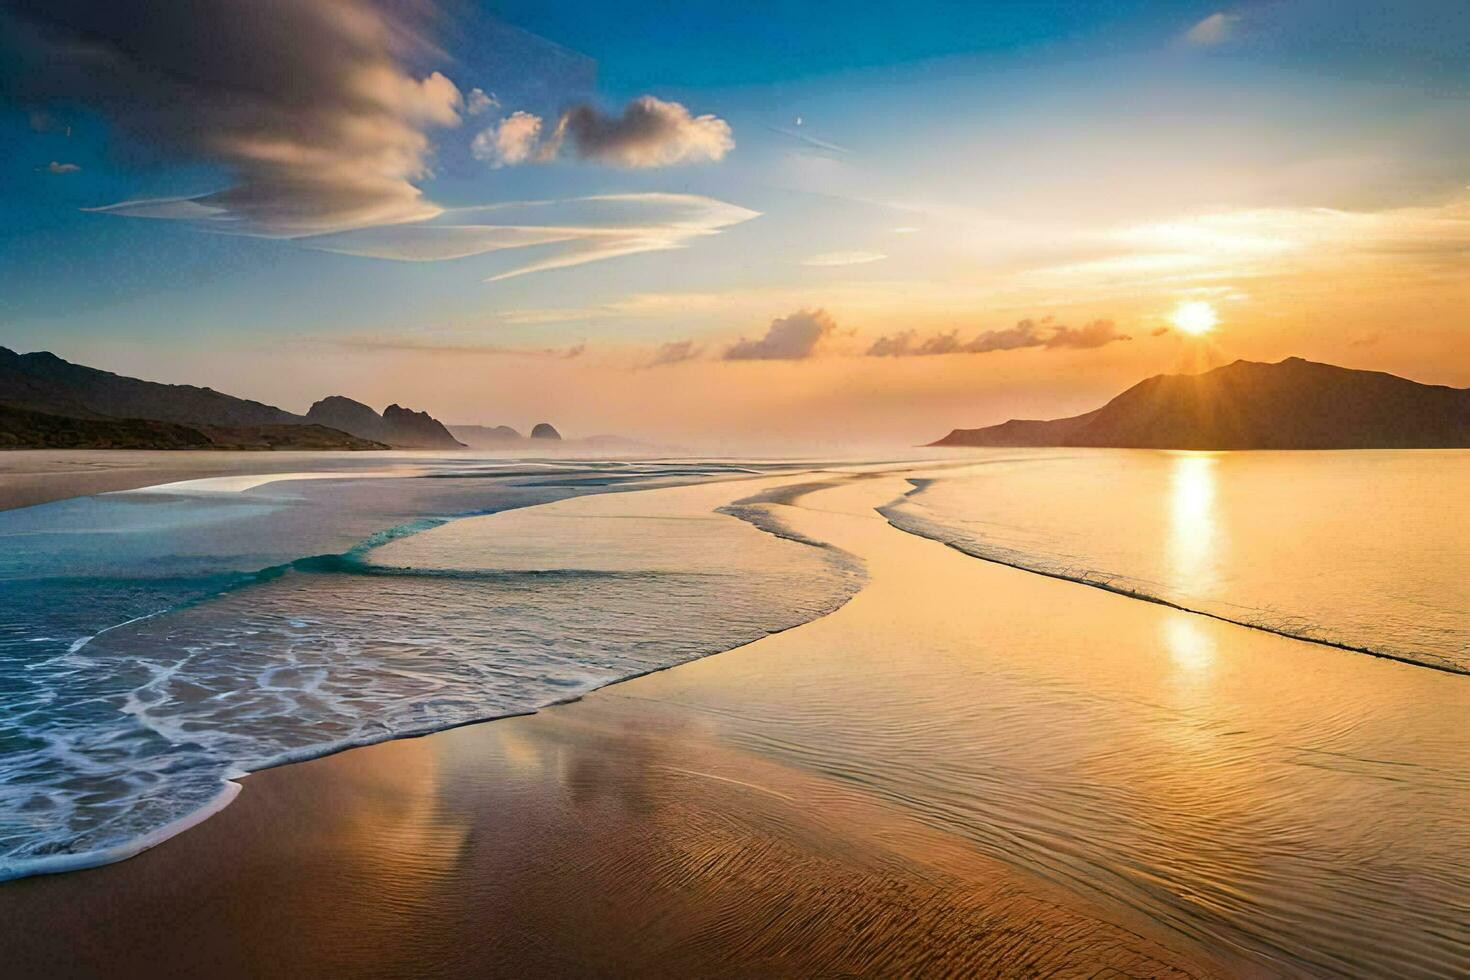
x=811, y=141
x=1026, y=333
x=55, y=167
x=322, y=127
x=585, y=229
x=325, y=131
x=454, y=342
x=790, y=338
x=1158, y=331
x=649, y=133
x=479, y=102
x=676, y=352
x=1098, y=333
x=509, y=142
x=843, y=258
x=1215, y=29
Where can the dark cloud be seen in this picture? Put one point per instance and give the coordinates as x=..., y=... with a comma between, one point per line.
x=788, y=338
x=310, y=106
x=1159, y=331
x=649, y=133
x=675, y=352
x=1026, y=333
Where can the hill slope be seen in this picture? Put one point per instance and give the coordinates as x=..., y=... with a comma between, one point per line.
x=1293, y=404
x=22, y=428
x=397, y=426
x=49, y=398
x=44, y=382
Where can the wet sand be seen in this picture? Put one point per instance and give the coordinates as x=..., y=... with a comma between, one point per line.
x=884, y=791
x=37, y=476
x=607, y=838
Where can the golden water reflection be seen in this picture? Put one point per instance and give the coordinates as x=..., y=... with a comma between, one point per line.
x=1190, y=644
x=1194, y=535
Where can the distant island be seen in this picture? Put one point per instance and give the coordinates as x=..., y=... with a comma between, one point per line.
x=545, y=438
x=504, y=436
x=1292, y=404
x=50, y=403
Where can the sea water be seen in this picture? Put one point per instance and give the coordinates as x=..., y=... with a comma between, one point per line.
x=155, y=645
x=1367, y=550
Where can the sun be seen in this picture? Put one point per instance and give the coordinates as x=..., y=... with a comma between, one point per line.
x=1195, y=317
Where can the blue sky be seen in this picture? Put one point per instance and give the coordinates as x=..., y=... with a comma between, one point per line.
x=926, y=167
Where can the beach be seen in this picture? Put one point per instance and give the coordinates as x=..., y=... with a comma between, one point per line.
x=965, y=769
x=37, y=476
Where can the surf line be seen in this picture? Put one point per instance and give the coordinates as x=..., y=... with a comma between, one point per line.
x=1159, y=601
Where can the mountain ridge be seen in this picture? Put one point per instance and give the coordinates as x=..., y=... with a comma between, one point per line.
x=54, y=403
x=1290, y=404
x=397, y=426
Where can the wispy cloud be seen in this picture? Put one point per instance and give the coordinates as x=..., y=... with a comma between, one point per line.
x=447, y=342
x=587, y=229
x=1026, y=333
x=843, y=258
x=1215, y=29
x=809, y=140
x=675, y=352
x=57, y=167
x=789, y=338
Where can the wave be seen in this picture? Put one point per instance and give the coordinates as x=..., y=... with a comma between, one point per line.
x=904, y=517
x=324, y=653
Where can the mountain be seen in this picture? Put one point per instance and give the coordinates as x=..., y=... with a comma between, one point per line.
x=397, y=426
x=545, y=430
x=418, y=430
x=1293, y=404
x=44, y=382
x=487, y=437
x=504, y=437
x=339, y=412
x=47, y=399
x=24, y=429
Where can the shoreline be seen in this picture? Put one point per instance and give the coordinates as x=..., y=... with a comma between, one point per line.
x=30, y=477
x=712, y=780
x=1171, y=604
x=757, y=809
x=231, y=785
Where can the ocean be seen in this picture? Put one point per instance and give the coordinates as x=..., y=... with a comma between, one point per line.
x=1368, y=550
x=1292, y=792
x=156, y=644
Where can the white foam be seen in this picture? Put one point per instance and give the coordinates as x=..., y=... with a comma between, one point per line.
x=242, y=482
x=57, y=863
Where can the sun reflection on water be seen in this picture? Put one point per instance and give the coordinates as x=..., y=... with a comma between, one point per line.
x=1193, y=541
x=1190, y=645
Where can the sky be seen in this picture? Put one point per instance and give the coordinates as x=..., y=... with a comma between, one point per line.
x=733, y=226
